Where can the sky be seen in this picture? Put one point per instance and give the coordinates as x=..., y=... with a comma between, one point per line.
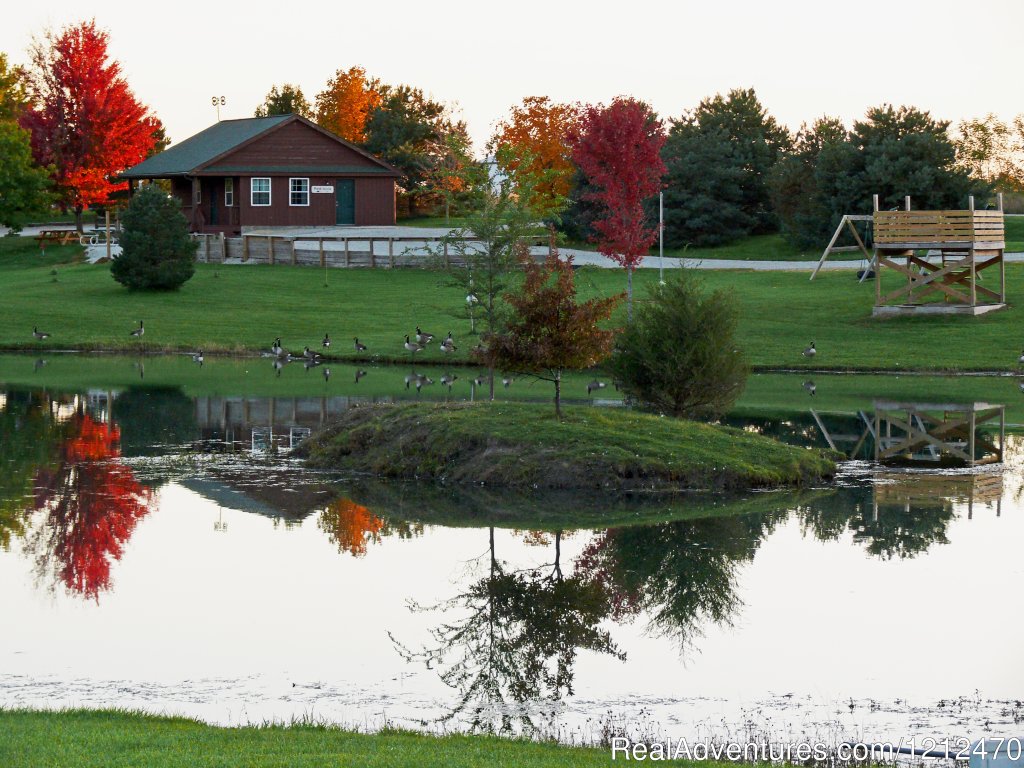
x=805, y=59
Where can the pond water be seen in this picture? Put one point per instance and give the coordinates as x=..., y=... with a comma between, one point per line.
x=161, y=550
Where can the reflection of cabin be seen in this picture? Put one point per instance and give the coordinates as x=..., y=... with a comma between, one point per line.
x=969, y=242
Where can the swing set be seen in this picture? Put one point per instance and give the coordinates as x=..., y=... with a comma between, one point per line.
x=940, y=253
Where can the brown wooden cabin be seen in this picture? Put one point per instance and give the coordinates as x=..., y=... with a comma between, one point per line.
x=280, y=171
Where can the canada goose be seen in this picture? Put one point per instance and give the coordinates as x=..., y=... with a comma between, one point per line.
x=361, y=347
x=471, y=299
x=327, y=374
x=1021, y=384
x=277, y=349
x=39, y=364
x=326, y=342
x=309, y=354
x=480, y=381
x=197, y=357
x=310, y=363
x=506, y=381
x=411, y=346
x=810, y=351
x=40, y=335
x=810, y=387
x=423, y=338
x=281, y=362
x=595, y=384
x=421, y=381
x=448, y=345
x=359, y=374
x=1020, y=360
x=137, y=333
x=448, y=379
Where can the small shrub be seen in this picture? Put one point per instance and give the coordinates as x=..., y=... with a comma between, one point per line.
x=679, y=355
x=157, y=252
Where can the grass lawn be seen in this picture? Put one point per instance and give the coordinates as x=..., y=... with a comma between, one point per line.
x=1014, y=233
x=526, y=445
x=242, y=308
x=433, y=222
x=91, y=739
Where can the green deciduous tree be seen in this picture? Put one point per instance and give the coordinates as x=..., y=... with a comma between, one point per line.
x=718, y=157
x=680, y=354
x=286, y=100
x=23, y=185
x=992, y=150
x=157, y=251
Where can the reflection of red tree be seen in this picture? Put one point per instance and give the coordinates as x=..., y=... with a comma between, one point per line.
x=93, y=504
x=592, y=563
x=351, y=526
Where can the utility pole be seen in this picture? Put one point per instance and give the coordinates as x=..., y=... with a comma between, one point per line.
x=661, y=237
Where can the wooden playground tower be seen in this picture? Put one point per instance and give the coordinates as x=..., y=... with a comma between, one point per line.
x=966, y=243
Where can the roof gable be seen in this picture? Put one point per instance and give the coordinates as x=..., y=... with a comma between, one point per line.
x=184, y=157
x=276, y=144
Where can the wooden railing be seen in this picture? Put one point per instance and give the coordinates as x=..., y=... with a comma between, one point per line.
x=931, y=229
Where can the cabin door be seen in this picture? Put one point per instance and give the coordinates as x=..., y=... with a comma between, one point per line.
x=213, y=203
x=345, y=202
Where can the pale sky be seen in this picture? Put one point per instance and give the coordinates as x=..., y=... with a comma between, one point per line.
x=804, y=58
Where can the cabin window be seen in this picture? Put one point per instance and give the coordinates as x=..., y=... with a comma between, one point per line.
x=260, y=188
x=229, y=193
x=298, y=192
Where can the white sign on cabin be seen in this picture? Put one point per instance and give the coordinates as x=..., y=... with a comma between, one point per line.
x=323, y=190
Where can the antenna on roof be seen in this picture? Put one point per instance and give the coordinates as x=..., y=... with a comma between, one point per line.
x=218, y=102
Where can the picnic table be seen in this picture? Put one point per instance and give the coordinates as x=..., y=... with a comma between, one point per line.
x=58, y=236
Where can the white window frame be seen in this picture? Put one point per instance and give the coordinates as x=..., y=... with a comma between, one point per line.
x=253, y=192
x=229, y=193
x=294, y=192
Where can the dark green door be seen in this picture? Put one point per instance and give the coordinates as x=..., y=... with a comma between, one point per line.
x=345, y=202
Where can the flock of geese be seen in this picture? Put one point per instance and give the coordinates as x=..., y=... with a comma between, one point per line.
x=413, y=343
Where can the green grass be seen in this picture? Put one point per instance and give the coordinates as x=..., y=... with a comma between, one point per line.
x=433, y=222
x=117, y=739
x=242, y=308
x=1014, y=233
x=525, y=445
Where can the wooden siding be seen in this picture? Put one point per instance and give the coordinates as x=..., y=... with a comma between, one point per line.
x=375, y=201
x=297, y=144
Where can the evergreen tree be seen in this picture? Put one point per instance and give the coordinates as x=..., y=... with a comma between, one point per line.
x=157, y=252
x=288, y=100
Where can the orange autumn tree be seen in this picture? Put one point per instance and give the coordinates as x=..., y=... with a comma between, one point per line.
x=85, y=122
x=93, y=503
x=344, y=106
x=350, y=526
x=532, y=142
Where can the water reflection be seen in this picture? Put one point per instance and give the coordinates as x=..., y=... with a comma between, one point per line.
x=567, y=584
x=510, y=654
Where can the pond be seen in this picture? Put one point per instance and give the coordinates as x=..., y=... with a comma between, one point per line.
x=160, y=549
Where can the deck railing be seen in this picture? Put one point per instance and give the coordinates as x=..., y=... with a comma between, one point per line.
x=931, y=229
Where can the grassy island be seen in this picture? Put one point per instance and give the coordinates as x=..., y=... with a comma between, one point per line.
x=526, y=446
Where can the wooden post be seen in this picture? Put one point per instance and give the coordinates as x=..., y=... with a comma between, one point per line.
x=974, y=274
x=446, y=254
x=906, y=203
x=874, y=201
x=223, y=248
x=245, y=247
x=320, y=243
x=206, y=247
x=346, y=251
x=999, y=196
x=970, y=202
x=294, y=260
x=1002, y=275
x=270, y=240
x=373, y=259
x=391, y=252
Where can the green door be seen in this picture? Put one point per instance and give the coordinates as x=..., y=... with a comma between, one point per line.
x=345, y=202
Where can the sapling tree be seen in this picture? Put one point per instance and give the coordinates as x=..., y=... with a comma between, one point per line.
x=549, y=331
x=680, y=355
x=617, y=148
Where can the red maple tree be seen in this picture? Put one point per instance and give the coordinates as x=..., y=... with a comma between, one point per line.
x=84, y=120
x=618, y=149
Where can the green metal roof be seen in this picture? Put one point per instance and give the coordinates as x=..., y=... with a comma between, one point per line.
x=183, y=158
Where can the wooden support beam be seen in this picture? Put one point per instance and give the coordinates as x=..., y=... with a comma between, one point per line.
x=245, y=247
x=294, y=257
x=320, y=245
x=346, y=252
x=270, y=241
